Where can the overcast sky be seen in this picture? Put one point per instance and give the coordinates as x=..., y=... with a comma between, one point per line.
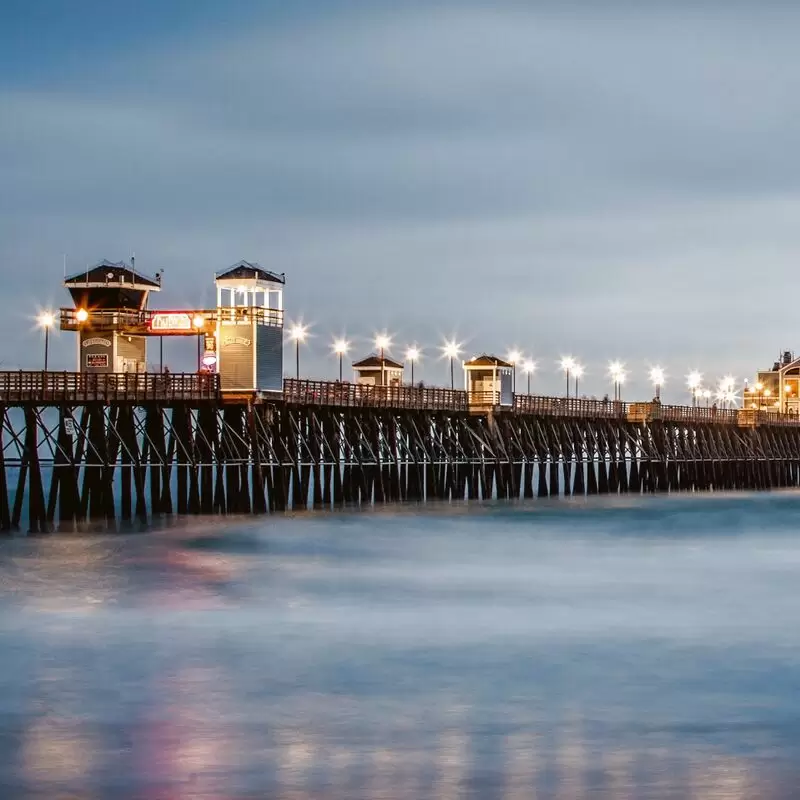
x=608, y=180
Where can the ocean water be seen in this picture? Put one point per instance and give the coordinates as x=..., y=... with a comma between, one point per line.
x=634, y=648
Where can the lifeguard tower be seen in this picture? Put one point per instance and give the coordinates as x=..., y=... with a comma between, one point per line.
x=488, y=381
x=249, y=330
x=109, y=314
x=378, y=370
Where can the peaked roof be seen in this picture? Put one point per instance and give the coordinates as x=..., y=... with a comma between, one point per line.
x=375, y=362
x=485, y=360
x=110, y=272
x=250, y=270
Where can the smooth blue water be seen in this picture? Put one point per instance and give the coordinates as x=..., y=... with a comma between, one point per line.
x=643, y=648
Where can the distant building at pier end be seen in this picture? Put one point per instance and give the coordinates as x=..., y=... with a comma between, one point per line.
x=777, y=388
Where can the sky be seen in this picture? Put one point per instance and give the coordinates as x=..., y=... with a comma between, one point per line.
x=610, y=180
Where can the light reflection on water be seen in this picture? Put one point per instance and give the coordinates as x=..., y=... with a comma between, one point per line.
x=631, y=649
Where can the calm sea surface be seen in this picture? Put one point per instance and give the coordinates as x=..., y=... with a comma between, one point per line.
x=638, y=649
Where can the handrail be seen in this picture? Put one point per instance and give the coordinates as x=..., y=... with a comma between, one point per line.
x=568, y=407
x=360, y=395
x=139, y=321
x=49, y=387
x=484, y=398
x=648, y=411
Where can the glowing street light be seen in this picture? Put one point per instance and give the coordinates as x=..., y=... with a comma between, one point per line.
x=298, y=333
x=577, y=371
x=46, y=321
x=412, y=355
x=706, y=395
x=451, y=351
x=340, y=347
x=617, y=371
x=567, y=364
x=529, y=367
x=694, y=380
x=657, y=379
x=514, y=356
x=81, y=315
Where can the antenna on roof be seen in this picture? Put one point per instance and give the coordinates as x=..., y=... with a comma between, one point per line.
x=133, y=266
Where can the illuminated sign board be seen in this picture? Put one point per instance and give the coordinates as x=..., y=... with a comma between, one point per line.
x=96, y=341
x=97, y=360
x=171, y=322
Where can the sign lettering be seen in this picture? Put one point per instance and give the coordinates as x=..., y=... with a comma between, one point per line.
x=228, y=340
x=97, y=360
x=96, y=341
x=69, y=427
x=170, y=321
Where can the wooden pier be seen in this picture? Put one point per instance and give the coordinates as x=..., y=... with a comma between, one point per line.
x=78, y=448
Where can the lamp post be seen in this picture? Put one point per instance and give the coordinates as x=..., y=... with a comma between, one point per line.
x=727, y=388
x=694, y=380
x=567, y=364
x=577, y=371
x=530, y=367
x=451, y=351
x=383, y=342
x=46, y=320
x=412, y=354
x=340, y=347
x=657, y=379
x=759, y=387
x=298, y=334
x=617, y=371
x=513, y=357
x=198, y=323
x=706, y=395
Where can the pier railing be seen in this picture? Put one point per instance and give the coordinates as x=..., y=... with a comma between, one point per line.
x=359, y=395
x=141, y=322
x=691, y=414
x=81, y=387
x=569, y=407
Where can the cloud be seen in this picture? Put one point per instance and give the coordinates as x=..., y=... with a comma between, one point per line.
x=615, y=185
